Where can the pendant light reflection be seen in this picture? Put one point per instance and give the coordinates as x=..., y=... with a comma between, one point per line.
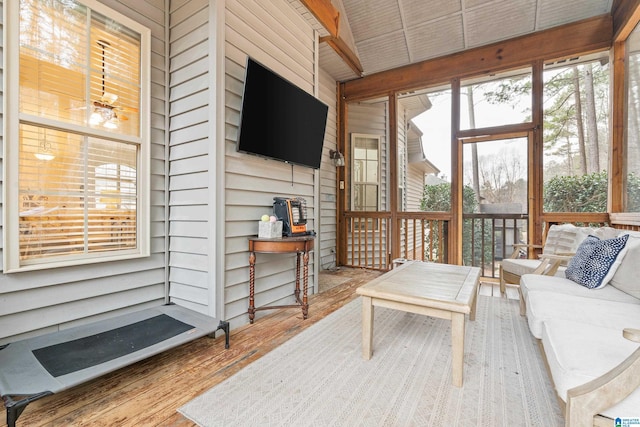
x=45, y=151
x=103, y=114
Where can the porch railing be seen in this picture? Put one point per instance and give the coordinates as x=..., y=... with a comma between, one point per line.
x=368, y=239
x=420, y=236
x=424, y=236
x=489, y=238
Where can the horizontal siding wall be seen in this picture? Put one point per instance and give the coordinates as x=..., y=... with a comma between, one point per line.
x=274, y=34
x=371, y=119
x=36, y=302
x=189, y=161
x=327, y=235
x=415, y=187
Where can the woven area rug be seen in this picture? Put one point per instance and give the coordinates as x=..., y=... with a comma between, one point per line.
x=318, y=378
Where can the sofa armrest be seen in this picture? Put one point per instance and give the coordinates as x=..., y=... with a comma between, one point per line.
x=588, y=400
x=551, y=262
x=631, y=334
x=518, y=246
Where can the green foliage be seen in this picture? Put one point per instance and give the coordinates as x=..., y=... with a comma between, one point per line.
x=437, y=198
x=576, y=193
x=633, y=193
x=586, y=193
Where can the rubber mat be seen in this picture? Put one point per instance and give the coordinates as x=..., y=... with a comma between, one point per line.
x=71, y=356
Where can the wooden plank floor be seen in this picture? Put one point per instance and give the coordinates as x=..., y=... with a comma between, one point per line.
x=148, y=393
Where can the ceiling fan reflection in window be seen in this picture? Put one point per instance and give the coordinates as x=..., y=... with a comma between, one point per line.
x=105, y=110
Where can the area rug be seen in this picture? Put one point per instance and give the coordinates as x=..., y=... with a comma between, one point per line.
x=318, y=378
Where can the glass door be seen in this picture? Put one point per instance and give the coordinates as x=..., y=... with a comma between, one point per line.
x=495, y=175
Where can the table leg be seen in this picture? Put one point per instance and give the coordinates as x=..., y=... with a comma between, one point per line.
x=305, y=285
x=367, y=327
x=296, y=293
x=474, y=303
x=457, y=347
x=252, y=278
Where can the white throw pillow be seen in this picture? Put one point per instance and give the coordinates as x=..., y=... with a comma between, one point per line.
x=626, y=276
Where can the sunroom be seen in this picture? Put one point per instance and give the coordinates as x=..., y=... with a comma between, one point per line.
x=455, y=132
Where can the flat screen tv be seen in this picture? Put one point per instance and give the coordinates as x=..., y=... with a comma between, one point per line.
x=279, y=120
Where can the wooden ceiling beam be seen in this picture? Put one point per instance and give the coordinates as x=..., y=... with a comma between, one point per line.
x=626, y=15
x=329, y=17
x=325, y=13
x=585, y=36
x=347, y=55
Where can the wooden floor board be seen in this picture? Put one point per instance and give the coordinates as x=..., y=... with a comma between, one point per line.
x=149, y=392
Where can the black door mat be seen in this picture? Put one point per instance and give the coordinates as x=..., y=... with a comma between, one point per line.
x=72, y=356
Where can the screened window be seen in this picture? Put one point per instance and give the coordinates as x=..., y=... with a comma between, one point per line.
x=632, y=203
x=496, y=100
x=78, y=134
x=576, y=134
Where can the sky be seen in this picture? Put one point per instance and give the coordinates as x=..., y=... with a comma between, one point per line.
x=435, y=125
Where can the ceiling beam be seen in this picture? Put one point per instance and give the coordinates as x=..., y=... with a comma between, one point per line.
x=347, y=55
x=626, y=15
x=329, y=17
x=325, y=13
x=580, y=37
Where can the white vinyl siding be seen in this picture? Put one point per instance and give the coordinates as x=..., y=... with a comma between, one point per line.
x=274, y=34
x=190, y=165
x=327, y=231
x=415, y=187
x=199, y=254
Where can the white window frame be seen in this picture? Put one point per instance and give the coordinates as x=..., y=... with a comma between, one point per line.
x=11, y=123
x=377, y=138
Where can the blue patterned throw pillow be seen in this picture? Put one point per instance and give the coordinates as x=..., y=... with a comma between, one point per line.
x=596, y=261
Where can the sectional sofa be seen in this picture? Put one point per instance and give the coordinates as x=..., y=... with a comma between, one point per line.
x=587, y=319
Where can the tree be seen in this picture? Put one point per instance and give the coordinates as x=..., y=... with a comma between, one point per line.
x=437, y=198
x=576, y=113
x=633, y=193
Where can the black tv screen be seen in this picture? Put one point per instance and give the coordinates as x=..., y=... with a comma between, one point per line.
x=279, y=120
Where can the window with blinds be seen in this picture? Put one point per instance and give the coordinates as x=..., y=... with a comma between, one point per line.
x=80, y=136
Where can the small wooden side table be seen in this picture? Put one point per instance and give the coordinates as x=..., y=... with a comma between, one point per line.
x=301, y=245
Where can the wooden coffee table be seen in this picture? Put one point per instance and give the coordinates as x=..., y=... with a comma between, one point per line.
x=438, y=290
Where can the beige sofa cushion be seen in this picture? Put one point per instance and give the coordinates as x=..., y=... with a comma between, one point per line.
x=561, y=239
x=520, y=266
x=627, y=277
x=534, y=283
x=578, y=353
x=543, y=306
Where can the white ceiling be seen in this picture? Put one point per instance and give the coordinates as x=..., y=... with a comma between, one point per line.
x=391, y=33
